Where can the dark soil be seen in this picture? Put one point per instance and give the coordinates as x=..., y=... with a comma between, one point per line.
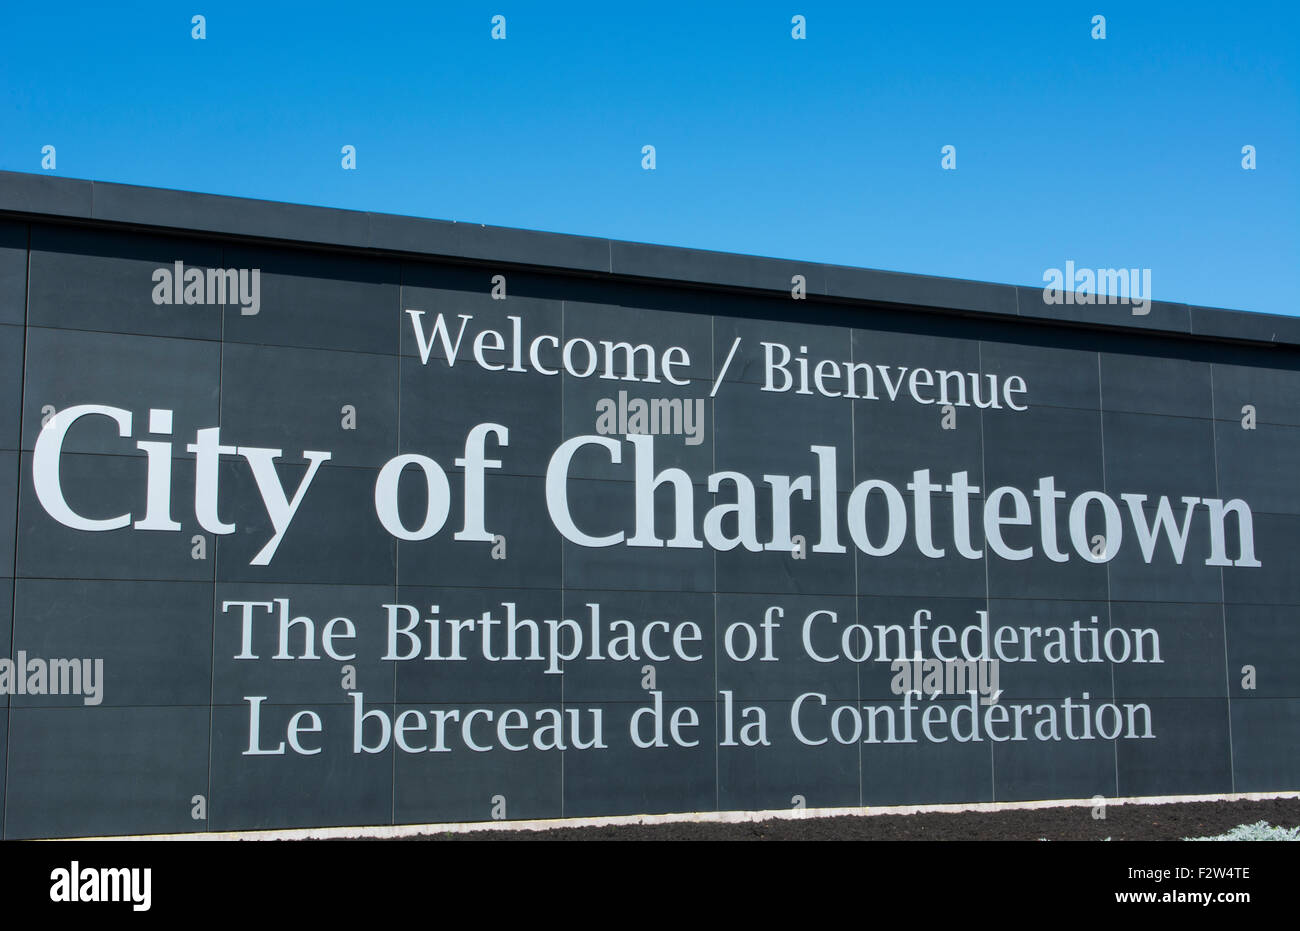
x=1172, y=821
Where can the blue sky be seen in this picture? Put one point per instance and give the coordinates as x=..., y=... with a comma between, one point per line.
x=1124, y=152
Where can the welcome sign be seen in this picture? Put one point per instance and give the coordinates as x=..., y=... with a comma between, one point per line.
x=407, y=529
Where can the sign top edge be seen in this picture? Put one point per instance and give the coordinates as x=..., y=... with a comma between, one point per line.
x=27, y=196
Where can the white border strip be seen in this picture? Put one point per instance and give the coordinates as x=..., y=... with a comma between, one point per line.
x=719, y=817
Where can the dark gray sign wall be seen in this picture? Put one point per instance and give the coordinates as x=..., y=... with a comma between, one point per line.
x=734, y=659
